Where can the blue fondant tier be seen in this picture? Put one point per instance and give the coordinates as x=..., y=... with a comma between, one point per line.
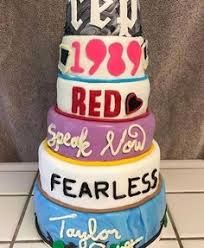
x=139, y=226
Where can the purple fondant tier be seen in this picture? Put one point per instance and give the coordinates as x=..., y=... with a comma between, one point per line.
x=99, y=141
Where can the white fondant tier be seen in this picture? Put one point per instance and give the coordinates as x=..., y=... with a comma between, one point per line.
x=99, y=186
x=103, y=56
x=102, y=100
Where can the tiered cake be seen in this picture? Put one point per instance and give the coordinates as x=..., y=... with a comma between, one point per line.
x=99, y=183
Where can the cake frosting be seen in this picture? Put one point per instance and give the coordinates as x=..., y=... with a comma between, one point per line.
x=101, y=186
x=76, y=138
x=142, y=224
x=99, y=182
x=96, y=56
x=103, y=100
x=109, y=17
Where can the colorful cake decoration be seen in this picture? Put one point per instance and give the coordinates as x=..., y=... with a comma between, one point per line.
x=133, y=103
x=97, y=17
x=58, y=244
x=103, y=100
x=103, y=56
x=99, y=183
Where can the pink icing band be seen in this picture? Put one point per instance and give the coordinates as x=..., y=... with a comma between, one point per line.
x=99, y=141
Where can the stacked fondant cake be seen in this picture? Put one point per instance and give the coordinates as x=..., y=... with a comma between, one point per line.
x=99, y=180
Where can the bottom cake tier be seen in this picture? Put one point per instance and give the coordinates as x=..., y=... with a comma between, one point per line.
x=136, y=227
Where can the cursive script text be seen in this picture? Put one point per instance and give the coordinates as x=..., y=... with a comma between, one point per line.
x=126, y=146
x=66, y=139
x=91, y=235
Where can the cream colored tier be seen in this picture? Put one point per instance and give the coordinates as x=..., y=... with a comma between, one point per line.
x=99, y=185
x=103, y=57
x=112, y=101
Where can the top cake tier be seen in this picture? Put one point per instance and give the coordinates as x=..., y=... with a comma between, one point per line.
x=103, y=17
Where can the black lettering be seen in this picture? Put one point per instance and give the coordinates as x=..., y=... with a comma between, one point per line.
x=85, y=190
x=153, y=175
x=54, y=181
x=115, y=195
x=132, y=186
x=101, y=187
x=144, y=181
x=67, y=188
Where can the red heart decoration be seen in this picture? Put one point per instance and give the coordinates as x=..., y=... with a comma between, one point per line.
x=133, y=103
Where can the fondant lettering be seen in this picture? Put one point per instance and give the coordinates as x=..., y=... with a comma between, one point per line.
x=66, y=188
x=155, y=178
x=74, y=18
x=92, y=233
x=144, y=181
x=78, y=97
x=76, y=68
x=101, y=187
x=57, y=139
x=85, y=190
x=54, y=181
x=116, y=65
x=125, y=22
x=134, y=54
x=115, y=195
x=96, y=52
x=133, y=144
x=63, y=222
x=132, y=185
x=104, y=189
x=96, y=10
x=93, y=104
x=111, y=107
x=112, y=96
